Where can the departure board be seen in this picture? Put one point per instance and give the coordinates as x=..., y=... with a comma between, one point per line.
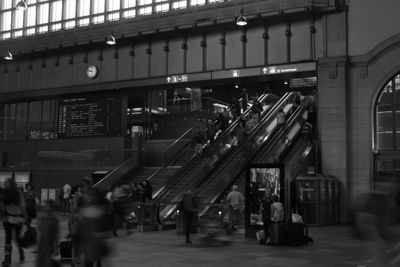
x=89, y=115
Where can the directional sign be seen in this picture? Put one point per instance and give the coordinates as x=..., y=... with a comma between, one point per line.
x=177, y=78
x=289, y=68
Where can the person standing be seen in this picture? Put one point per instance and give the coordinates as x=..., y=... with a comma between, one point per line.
x=236, y=201
x=280, y=117
x=266, y=214
x=244, y=97
x=148, y=189
x=256, y=110
x=14, y=216
x=189, y=206
x=30, y=202
x=65, y=205
x=277, y=211
x=198, y=139
x=210, y=131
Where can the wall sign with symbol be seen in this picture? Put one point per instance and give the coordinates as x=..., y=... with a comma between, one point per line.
x=289, y=68
x=177, y=78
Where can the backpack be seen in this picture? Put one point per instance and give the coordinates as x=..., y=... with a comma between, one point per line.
x=297, y=234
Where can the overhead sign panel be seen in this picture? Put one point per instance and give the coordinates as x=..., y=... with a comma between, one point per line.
x=89, y=115
x=289, y=68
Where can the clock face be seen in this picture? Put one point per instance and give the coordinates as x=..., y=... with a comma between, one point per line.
x=92, y=71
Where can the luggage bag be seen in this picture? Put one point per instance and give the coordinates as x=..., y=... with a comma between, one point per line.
x=278, y=234
x=65, y=250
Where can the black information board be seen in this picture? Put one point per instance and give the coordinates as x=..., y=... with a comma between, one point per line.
x=89, y=115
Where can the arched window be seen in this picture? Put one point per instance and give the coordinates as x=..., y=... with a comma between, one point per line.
x=387, y=117
x=387, y=133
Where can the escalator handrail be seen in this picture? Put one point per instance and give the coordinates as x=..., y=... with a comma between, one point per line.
x=167, y=161
x=190, y=164
x=290, y=123
x=118, y=168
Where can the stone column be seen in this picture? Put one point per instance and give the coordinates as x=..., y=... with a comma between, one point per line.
x=333, y=122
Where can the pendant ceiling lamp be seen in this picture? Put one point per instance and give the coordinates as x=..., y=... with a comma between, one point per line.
x=110, y=40
x=241, y=20
x=21, y=5
x=8, y=56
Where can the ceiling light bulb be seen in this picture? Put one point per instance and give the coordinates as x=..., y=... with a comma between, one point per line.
x=236, y=86
x=110, y=40
x=21, y=5
x=9, y=56
x=285, y=82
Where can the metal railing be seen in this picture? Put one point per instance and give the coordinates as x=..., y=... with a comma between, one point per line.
x=145, y=216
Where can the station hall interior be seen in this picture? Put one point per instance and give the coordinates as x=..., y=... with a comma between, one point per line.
x=120, y=91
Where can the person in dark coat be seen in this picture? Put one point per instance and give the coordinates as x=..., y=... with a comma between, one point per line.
x=266, y=215
x=189, y=206
x=14, y=216
x=244, y=100
x=148, y=190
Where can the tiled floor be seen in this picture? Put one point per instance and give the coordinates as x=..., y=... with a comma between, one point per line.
x=333, y=246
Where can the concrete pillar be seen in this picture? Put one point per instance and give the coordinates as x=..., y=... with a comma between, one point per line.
x=333, y=121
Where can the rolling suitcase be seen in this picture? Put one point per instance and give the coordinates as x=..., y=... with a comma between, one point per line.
x=297, y=233
x=65, y=250
x=278, y=234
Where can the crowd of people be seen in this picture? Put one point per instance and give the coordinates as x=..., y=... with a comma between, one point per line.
x=215, y=126
x=91, y=217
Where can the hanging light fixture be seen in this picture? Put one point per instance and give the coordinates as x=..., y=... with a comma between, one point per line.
x=285, y=82
x=21, y=5
x=241, y=20
x=9, y=56
x=110, y=40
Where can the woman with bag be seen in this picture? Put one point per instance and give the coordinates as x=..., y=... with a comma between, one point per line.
x=14, y=217
x=30, y=203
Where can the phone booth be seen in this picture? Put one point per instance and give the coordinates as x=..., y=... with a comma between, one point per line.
x=261, y=180
x=318, y=199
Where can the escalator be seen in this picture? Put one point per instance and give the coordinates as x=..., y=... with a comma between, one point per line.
x=177, y=155
x=266, y=141
x=181, y=158
x=199, y=166
x=217, y=168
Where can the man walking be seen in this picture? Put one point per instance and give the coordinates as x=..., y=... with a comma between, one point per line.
x=236, y=200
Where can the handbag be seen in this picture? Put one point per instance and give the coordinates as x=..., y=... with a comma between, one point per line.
x=260, y=235
x=296, y=218
x=28, y=236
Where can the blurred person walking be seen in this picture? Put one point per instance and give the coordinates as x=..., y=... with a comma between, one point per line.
x=48, y=238
x=96, y=221
x=372, y=220
x=236, y=201
x=14, y=215
x=119, y=198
